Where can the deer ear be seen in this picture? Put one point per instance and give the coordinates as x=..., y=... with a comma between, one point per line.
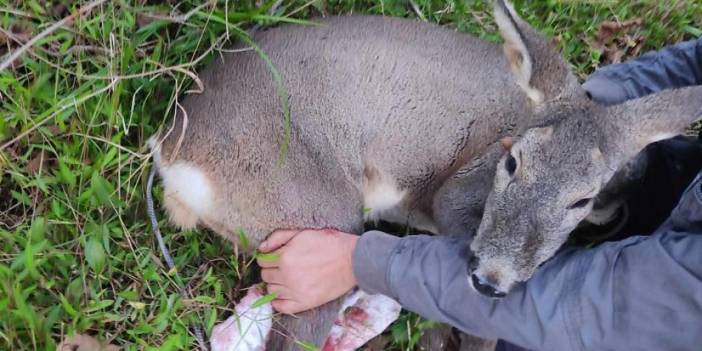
x=538, y=68
x=627, y=128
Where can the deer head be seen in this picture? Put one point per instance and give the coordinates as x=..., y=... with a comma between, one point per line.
x=549, y=173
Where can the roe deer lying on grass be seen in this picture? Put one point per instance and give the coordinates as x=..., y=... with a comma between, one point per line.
x=404, y=119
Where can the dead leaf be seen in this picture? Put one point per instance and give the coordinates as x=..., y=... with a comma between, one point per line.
x=607, y=30
x=81, y=342
x=556, y=41
x=37, y=162
x=59, y=11
x=144, y=19
x=54, y=129
x=617, y=40
x=40, y=161
x=16, y=36
x=636, y=50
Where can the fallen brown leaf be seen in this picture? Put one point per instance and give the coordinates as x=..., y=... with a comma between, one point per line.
x=58, y=11
x=16, y=35
x=37, y=162
x=617, y=40
x=607, y=30
x=144, y=19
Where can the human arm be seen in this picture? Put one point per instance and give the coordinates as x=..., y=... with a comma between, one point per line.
x=672, y=67
x=640, y=293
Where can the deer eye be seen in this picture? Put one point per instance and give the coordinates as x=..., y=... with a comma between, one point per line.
x=580, y=203
x=511, y=164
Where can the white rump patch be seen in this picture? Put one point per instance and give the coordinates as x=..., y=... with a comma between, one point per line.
x=380, y=193
x=189, y=185
x=187, y=190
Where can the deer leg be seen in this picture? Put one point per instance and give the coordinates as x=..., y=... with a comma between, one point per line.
x=474, y=343
x=361, y=318
x=435, y=339
x=306, y=328
x=342, y=325
x=254, y=328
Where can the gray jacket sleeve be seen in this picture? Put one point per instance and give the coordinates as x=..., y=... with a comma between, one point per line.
x=673, y=67
x=643, y=293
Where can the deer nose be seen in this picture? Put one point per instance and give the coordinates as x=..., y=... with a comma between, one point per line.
x=486, y=287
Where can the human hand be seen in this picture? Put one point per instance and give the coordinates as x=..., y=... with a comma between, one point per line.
x=307, y=268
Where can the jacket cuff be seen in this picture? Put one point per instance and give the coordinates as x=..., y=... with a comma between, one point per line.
x=605, y=90
x=371, y=262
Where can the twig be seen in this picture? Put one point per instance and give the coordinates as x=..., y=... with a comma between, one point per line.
x=307, y=4
x=164, y=250
x=15, y=12
x=154, y=222
x=195, y=78
x=17, y=53
x=180, y=18
x=417, y=10
x=271, y=12
x=176, y=149
x=89, y=48
x=113, y=144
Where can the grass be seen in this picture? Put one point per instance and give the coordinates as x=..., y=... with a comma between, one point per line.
x=76, y=250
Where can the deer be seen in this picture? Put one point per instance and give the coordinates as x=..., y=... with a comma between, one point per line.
x=408, y=122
